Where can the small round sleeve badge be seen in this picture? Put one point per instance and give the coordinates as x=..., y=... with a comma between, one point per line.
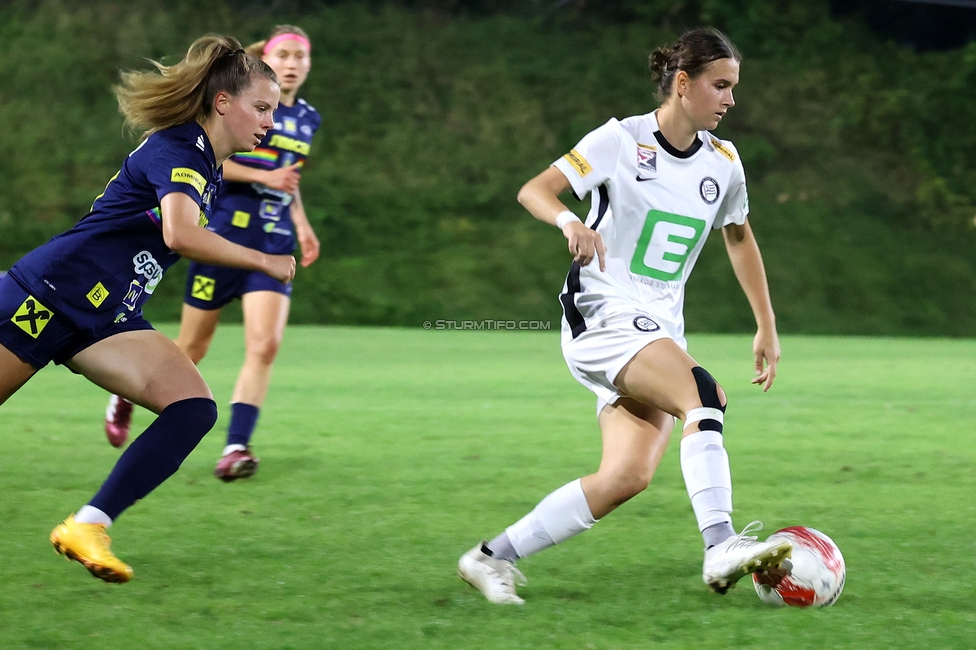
x=645, y=324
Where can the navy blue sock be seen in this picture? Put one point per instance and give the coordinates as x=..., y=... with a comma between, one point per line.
x=156, y=455
x=243, y=419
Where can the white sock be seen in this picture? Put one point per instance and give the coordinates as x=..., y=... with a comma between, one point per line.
x=561, y=515
x=90, y=515
x=229, y=448
x=705, y=466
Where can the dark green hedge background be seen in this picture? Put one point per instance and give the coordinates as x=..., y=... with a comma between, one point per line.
x=858, y=152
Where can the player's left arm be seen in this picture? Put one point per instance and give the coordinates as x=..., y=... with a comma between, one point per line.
x=307, y=241
x=749, y=270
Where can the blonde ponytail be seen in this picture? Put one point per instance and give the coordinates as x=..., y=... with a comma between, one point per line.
x=184, y=92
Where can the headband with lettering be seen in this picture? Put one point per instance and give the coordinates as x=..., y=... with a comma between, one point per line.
x=287, y=37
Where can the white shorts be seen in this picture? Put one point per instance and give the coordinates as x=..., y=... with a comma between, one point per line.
x=597, y=356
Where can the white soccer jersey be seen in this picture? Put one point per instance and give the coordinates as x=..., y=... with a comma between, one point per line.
x=654, y=207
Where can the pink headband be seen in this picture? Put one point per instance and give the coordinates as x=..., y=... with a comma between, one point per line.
x=287, y=37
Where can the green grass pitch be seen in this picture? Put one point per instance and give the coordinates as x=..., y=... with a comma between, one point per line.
x=387, y=453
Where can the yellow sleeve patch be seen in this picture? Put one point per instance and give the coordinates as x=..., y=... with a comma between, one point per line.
x=188, y=176
x=722, y=149
x=578, y=162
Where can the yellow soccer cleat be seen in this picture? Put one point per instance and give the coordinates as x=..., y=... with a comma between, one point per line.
x=90, y=545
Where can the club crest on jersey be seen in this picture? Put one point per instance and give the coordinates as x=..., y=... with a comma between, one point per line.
x=709, y=190
x=645, y=324
x=647, y=158
x=290, y=124
x=97, y=295
x=145, y=264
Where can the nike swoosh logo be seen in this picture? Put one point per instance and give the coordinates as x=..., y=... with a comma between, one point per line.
x=641, y=180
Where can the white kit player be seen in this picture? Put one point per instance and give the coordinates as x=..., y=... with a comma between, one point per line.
x=659, y=183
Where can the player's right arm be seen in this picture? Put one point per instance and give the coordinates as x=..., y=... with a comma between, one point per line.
x=284, y=179
x=540, y=196
x=184, y=235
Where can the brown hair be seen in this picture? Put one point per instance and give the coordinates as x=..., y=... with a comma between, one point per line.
x=257, y=49
x=184, y=92
x=692, y=52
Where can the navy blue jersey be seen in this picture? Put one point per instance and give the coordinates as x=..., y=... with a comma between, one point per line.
x=104, y=269
x=257, y=216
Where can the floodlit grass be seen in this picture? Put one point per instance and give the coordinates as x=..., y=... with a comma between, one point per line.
x=388, y=453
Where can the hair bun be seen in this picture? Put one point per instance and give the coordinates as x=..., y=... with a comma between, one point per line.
x=657, y=62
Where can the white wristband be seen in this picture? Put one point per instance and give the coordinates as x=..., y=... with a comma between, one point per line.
x=566, y=217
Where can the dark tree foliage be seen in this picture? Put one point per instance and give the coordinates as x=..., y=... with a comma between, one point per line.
x=857, y=149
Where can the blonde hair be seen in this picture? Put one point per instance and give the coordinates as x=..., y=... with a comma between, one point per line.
x=184, y=92
x=257, y=49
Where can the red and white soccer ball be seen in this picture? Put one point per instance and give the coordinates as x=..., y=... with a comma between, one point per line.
x=813, y=577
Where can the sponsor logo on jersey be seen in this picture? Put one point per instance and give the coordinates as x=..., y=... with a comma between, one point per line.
x=203, y=221
x=203, y=287
x=209, y=194
x=646, y=159
x=121, y=317
x=306, y=129
x=97, y=295
x=145, y=264
x=290, y=125
x=289, y=144
x=200, y=144
x=132, y=295
x=190, y=177
x=709, y=190
x=645, y=324
x=664, y=246
x=722, y=149
x=271, y=227
x=32, y=317
x=578, y=162
x=240, y=219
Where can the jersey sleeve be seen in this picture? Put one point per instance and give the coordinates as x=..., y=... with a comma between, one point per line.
x=179, y=167
x=592, y=162
x=735, y=207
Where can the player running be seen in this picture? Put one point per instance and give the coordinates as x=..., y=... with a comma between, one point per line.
x=258, y=206
x=77, y=300
x=659, y=182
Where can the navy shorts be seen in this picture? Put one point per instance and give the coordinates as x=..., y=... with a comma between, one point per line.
x=38, y=335
x=211, y=287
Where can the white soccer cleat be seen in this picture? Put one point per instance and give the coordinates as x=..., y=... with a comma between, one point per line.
x=494, y=578
x=739, y=555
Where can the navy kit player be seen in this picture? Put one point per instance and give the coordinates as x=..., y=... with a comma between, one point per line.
x=259, y=206
x=77, y=300
x=659, y=182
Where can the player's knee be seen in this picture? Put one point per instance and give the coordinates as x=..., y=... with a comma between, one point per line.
x=198, y=414
x=628, y=484
x=710, y=415
x=264, y=349
x=195, y=349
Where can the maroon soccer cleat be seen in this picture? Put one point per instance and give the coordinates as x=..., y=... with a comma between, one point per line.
x=118, y=419
x=237, y=464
